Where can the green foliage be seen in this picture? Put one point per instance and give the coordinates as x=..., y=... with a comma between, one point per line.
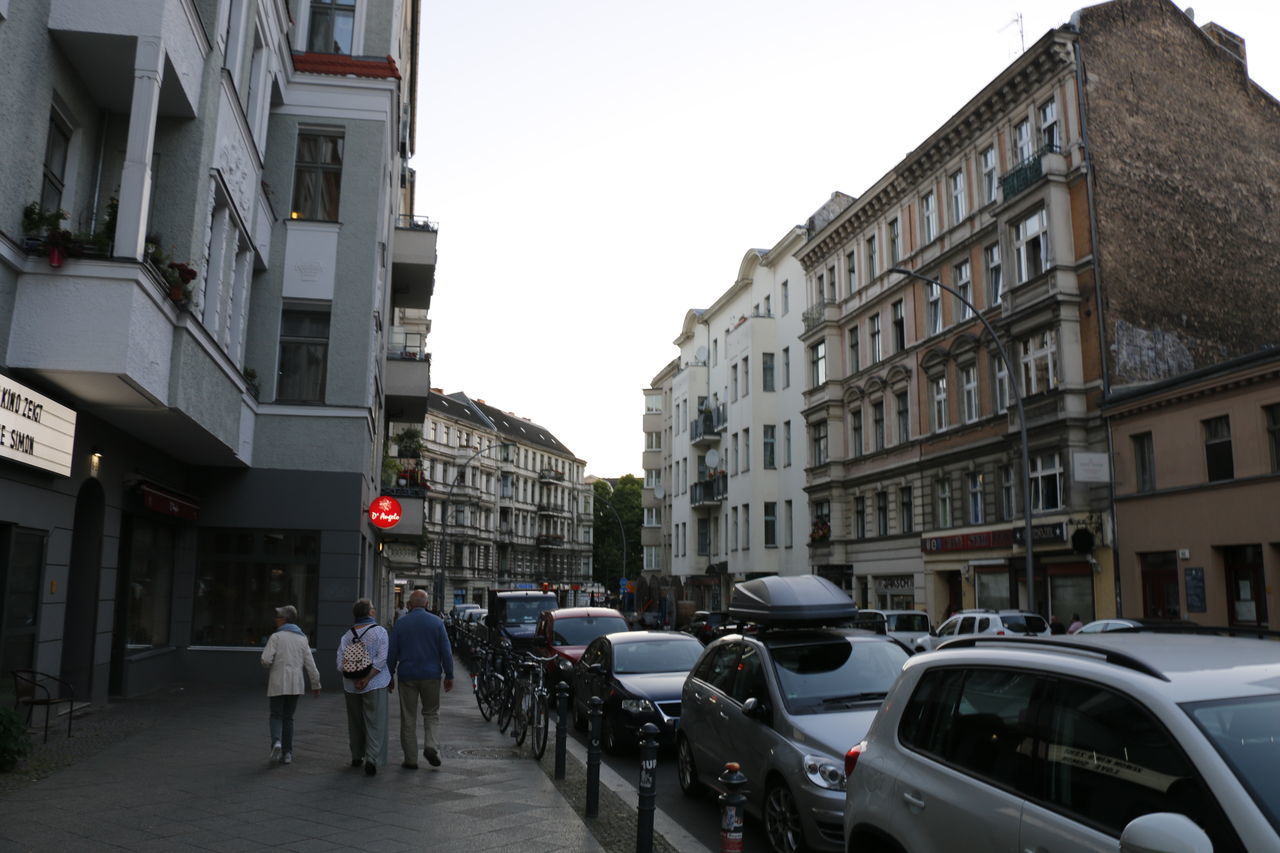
x=37, y=221
x=408, y=442
x=15, y=743
x=608, y=530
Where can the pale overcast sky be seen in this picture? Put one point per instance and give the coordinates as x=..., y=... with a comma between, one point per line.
x=597, y=168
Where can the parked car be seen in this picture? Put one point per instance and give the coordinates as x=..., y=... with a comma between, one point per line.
x=638, y=674
x=1121, y=623
x=995, y=622
x=565, y=633
x=785, y=703
x=706, y=625
x=907, y=626
x=1163, y=743
x=513, y=614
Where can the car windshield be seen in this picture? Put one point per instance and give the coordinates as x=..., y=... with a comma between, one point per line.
x=1246, y=732
x=524, y=611
x=909, y=622
x=677, y=654
x=815, y=676
x=580, y=630
x=1024, y=623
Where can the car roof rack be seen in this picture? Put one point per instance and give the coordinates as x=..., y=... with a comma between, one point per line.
x=1204, y=630
x=1109, y=655
x=795, y=601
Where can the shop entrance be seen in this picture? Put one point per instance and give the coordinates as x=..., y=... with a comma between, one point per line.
x=80, y=622
x=21, y=561
x=1246, y=591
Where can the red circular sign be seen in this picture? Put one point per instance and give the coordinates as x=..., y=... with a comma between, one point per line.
x=385, y=512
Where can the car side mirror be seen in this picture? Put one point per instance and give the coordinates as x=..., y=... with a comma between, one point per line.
x=933, y=632
x=1164, y=832
x=755, y=709
x=597, y=669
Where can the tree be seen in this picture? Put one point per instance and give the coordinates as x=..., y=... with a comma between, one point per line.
x=622, y=498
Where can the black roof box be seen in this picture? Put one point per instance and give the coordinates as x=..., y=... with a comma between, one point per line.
x=791, y=601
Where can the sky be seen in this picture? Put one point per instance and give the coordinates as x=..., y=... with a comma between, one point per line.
x=597, y=168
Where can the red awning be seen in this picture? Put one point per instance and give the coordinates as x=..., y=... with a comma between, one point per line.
x=158, y=500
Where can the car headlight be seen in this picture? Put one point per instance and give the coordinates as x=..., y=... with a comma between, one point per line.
x=824, y=772
x=636, y=706
x=565, y=666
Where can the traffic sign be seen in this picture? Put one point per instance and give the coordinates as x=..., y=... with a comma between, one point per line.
x=622, y=584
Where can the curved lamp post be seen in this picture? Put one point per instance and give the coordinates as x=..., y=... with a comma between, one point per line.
x=1022, y=429
x=444, y=525
x=622, y=532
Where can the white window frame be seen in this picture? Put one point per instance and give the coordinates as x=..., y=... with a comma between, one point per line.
x=873, y=333
x=959, y=201
x=1001, y=373
x=929, y=216
x=1040, y=362
x=933, y=308
x=895, y=240
x=990, y=181
x=969, y=391
x=938, y=393
x=942, y=502
x=1022, y=141
x=1050, y=135
x=871, y=257
x=1045, y=480
x=1031, y=246
x=964, y=286
x=977, y=507
x=995, y=273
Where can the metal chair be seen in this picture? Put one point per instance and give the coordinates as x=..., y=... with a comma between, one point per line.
x=32, y=688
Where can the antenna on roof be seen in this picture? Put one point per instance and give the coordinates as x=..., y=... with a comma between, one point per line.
x=1022, y=41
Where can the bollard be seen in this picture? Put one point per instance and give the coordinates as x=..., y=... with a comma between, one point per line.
x=594, y=714
x=648, y=787
x=562, y=726
x=732, y=802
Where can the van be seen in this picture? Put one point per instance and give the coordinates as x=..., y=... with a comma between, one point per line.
x=513, y=615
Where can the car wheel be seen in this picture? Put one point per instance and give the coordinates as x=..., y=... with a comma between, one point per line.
x=686, y=772
x=782, y=820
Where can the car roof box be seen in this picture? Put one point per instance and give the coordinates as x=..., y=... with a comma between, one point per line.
x=798, y=600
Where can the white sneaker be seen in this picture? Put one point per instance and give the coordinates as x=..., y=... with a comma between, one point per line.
x=288, y=758
x=275, y=751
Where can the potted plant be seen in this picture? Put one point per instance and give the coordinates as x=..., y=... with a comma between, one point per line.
x=44, y=228
x=408, y=443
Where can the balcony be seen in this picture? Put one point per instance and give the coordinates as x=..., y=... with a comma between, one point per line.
x=709, y=492
x=407, y=380
x=705, y=429
x=552, y=509
x=550, y=475
x=1024, y=175
x=824, y=312
x=550, y=540
x=413, y=263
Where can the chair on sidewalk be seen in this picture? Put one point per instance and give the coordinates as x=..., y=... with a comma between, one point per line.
x=33, y=689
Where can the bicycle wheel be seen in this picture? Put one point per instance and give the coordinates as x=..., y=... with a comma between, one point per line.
x=506, y=706
x=484, y=694
x=520, y=719
x=540, y=723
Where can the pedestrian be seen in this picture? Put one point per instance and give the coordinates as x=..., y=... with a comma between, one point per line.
x=287, y=656
x=1056, y=626
x=366, y=696
x=1075, y=625
x=420, y=656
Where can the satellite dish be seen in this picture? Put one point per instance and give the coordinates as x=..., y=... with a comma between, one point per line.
x=659, y=492
x=700, y=355
x=713, y=458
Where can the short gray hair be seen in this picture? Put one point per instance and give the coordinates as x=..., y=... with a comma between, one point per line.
x=288, y=613
x=362, y=608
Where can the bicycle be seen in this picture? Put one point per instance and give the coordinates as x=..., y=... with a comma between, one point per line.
x=531, y=711
x=487, y=680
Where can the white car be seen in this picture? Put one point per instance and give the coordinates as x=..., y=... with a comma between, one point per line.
x=995, y=622
x=906, y=626
x=1161, y=743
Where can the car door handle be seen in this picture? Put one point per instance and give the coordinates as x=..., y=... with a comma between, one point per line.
x=913, y=800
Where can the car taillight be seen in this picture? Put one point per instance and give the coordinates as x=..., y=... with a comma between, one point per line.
x=851, y=757
x=999, y=633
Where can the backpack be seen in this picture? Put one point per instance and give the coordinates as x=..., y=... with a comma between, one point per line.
x=356, y=663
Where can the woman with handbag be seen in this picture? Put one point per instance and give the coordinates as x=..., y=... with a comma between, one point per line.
x=287, y=656
x=362, y=662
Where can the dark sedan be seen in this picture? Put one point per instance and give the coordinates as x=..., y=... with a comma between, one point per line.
x=639, y=675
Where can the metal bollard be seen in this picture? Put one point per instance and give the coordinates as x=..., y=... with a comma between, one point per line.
x=594, y=714
x=562, y=727
x=732, y=803
x=648, y=787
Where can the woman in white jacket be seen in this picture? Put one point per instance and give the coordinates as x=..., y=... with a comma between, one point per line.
x=287, y=654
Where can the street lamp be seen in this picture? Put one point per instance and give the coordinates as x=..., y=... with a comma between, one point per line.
x=1022, y=427
x=622, y=533
x=444, y=526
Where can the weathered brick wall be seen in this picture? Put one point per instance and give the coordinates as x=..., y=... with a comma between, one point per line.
x=1187, y=167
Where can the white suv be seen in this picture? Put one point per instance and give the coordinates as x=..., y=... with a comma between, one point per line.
x=997, y=622
x=1134, y=742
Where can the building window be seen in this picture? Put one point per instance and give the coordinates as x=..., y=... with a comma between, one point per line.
x=906, y=518
x=855, y=357
x=653, y=404
x=938, y=392
x=969, y=391
x=882, y=513
x=860, y=517
x=766, y=371
x=1031, y=247
x=942, y=502
x=1006, y=493
x=653, y=441
x=786, y=367
x=873, y=332
x=1217, y=449
x=822, y=287
x=977, y=514
x=148, y=550
x=818, y=364
x=831, y=284
x=243, y=574
x=788, y=516
x=1001, y=372
x=333, y=24
x=733, y=520
x=899, y=327
x=1144, y=462
x=1273, y=434
x=768, y=305
x=304, y=354
x=855, y=431
x=786, y=444
x=818, y=443
x=746, y=527
x=733, y=383
x=871, y=257
x=959, y=204
x=877, y=424
x=736, y=458
x=929, y=217
x=895, y=241
x=933, y=308
x=746, y=376
x=652, y=478
x=852, y=260
x=652, y=557
x=1046, y=482
x=964, y=286
x=57, y=144
x=995, y=283
x=904, y=417
x=989, y=182
x=1040, y=363
x=317, y=177
x=1049, y=137
x=653, y=516
x=715, y=351
x=703, y=534
x=769, y=447
x=770, y=524
x=1022, y=141
x=785, y=291
x=746, y=450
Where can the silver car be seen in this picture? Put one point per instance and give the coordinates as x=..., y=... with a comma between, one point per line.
x=785, y=705
x=907, y=626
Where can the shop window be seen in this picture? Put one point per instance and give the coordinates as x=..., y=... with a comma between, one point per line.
x=243, y=575
x=148, y=553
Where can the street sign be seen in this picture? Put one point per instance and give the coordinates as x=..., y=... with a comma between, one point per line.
x=622, y=584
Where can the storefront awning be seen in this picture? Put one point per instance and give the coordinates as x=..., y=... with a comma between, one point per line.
x=168, y=503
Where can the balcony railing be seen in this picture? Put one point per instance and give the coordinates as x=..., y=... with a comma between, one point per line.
x=550, y=540
x=416, y=223
x=551, y=474
x=1022, y=176
x=815, y=316
x=709, y=491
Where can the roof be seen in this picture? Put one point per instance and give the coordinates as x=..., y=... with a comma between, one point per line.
x=522, y=430
x=341, y=65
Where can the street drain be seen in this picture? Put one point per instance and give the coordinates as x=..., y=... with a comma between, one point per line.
x=488, y=752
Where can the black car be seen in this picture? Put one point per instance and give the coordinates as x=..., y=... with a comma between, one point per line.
x=706, y=625
x=639, y=675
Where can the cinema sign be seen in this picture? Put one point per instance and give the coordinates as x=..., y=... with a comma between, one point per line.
x=35, y=430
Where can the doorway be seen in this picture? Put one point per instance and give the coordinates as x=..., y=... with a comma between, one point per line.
x=80, y=623
x=21, y=564
x=1246, y=592
x=1160, y=597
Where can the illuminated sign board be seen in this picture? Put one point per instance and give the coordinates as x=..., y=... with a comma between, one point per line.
x=34, y=430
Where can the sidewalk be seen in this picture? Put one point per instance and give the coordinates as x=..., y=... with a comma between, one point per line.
x=187, y=769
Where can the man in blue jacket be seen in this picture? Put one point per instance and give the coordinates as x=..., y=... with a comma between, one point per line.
x=419, y=655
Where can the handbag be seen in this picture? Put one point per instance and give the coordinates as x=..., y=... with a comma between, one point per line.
x=356, y=662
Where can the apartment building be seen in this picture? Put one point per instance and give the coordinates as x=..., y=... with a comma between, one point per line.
x=727, y=490
x=196, y=353
x=1197, y=465
x=1109, y=237
x=507, y=505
